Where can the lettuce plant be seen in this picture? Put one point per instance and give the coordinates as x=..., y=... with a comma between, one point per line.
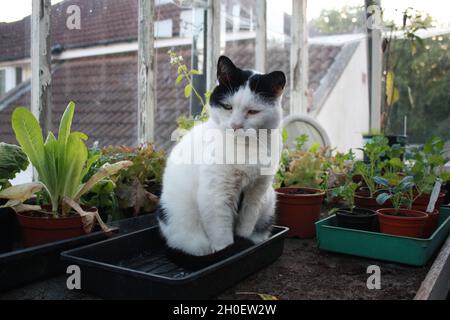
x=62, y=162
x=12, y=161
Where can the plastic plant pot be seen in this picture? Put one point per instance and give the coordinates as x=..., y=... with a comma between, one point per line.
x=299, y=209
x=402, y=222
x=363, y=200
x=421, y=203
x=431, y=223
x=359, y=219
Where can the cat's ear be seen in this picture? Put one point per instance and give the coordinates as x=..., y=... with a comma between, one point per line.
x=269, y=85
x=226, y=71
x=277, y=81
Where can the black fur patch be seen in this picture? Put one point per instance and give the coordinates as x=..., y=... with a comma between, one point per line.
x=269, y=86
x=264, y=225
x=232, y=78
x=241, y=200
x=161, y=214
x=222, y=90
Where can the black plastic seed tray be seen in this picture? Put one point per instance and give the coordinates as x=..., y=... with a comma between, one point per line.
x=22, y=266
x=136, y=266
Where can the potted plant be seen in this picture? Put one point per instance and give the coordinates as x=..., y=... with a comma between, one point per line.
x=400, y=220
x=350, y=216
x=61, y=164
x=298, y=190
x=12, y=161
x=134, y=191
x=365, y=171
x=427, y=170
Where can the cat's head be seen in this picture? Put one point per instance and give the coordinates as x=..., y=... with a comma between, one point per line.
x=245, y=99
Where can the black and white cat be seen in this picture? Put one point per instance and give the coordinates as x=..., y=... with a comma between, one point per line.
x=203, y=206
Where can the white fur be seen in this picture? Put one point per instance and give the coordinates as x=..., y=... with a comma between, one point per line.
x=200, y=200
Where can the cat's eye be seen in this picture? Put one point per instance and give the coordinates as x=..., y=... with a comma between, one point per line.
x=227, y=107
x=253, y=112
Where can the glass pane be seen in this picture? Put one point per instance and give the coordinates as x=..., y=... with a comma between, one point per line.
x=187, y=43
x=418, y=70
x=95, y=65
x=279, y=13
x=238, y=31
x=336, y=17
x=15, y=68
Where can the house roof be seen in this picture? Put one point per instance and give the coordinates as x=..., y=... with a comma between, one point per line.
x=105, y=87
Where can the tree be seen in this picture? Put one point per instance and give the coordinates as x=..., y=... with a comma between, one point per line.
x=348, y=19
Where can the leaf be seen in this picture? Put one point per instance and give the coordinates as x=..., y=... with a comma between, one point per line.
x=188, y=90
x=194, y=72
x=29, y=135
x=392, y=93
x=21, y=192
x=264, y=296
x=381, y=181
x=12, y=161
x=75, y=158
x=104, y=172
x=284, y=135
x=179, y=78
x=383, y=197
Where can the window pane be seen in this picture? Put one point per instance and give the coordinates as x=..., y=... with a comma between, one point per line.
x=238, y=31
x=279, y=13
x=15, y=69
x=420, y=70
x=187, y=42
x=95, y=65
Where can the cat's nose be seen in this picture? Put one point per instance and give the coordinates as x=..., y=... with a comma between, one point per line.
x=236, y=126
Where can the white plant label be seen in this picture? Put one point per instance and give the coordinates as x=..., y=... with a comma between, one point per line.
x=434, y=196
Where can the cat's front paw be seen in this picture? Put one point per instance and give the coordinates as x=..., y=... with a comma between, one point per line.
x=259, y=237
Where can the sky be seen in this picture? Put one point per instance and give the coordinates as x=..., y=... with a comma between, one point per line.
x=439, y=9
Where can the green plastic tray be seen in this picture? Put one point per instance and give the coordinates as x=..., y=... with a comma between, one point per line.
x=411, y=251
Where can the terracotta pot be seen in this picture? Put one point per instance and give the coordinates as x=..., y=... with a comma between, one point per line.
x=363, y=200
x=431, y=223
x=299, y=212
x=421, y=203
x=402, y=222
x=360, y=219
x=42, y=230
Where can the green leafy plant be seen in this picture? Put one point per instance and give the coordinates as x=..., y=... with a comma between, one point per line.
x=375, y=151
x=345, y=192
x=184, y=74
x=399, y=191
x=61, y=163
x=12, y=161
x=413, y=21
x=139, y=185
x=316, y=167
x=428, y=166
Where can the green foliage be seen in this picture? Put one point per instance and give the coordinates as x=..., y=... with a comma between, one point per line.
x=417, y=80
x=399, y=190
x=375, y=150
x=346, y=192
x=428, y=166
x=132, y=188
x=185, y=75
x=147, y=163
x=60, y=162
x=12, y=161
x=314, y=168
x=348, y=19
